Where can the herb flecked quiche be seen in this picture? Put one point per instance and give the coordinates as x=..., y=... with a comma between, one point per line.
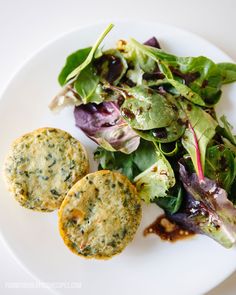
x=100, y=215
x=42, y=166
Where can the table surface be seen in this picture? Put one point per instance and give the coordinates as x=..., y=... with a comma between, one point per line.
x=26, y=25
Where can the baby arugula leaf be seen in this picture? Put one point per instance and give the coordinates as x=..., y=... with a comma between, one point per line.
x=228, y=72
x=201, y=129
x=90, y=56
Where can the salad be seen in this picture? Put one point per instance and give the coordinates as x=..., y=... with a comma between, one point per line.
x=153, y=117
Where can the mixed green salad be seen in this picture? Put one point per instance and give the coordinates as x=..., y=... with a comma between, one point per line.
x=152, y=115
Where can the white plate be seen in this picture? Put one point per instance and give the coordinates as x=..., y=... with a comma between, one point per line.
x=147, y=265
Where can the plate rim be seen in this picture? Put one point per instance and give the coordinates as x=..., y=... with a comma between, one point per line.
x=34, y=53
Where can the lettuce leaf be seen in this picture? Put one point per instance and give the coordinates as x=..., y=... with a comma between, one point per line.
x=207, y=209
x=104, y=125
x=155, y=181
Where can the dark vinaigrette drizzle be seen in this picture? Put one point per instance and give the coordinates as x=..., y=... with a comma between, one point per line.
x=167, y=230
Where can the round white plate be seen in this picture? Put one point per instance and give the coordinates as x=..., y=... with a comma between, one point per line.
x=148, y=265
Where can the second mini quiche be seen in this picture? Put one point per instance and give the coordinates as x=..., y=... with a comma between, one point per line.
x=42, y=166
x=100, y=215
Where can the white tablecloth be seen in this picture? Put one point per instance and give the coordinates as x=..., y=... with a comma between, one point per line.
x=25, y=25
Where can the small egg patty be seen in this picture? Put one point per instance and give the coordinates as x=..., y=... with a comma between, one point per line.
x=42, y=166
x=100, y=215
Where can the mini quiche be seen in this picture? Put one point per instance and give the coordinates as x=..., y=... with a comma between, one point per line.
x=42, y=166
x=100, y=215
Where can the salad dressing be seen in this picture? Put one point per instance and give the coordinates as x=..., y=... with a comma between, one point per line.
x=167, y=230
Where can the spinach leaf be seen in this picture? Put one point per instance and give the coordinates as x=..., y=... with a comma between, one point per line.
x=145, y=155
x=201, y=130
x=171, y=132
x=145, y=109
x=155, y=181
x=228, y=72
x=201, y=75
x=172, y=201
x=117, y=161
x=86, y=85
x=220, y=166
x=73, y=61
x=167, y=134
x=196, y=78
x=186, y=92
x=79, y=89
x=130, y=165
x=90, y=56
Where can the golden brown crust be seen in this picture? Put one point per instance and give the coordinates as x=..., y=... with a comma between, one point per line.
x=42, y=166
x=100, y=215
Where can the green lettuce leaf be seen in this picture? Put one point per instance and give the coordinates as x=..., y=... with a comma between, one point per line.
x=155, y=181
